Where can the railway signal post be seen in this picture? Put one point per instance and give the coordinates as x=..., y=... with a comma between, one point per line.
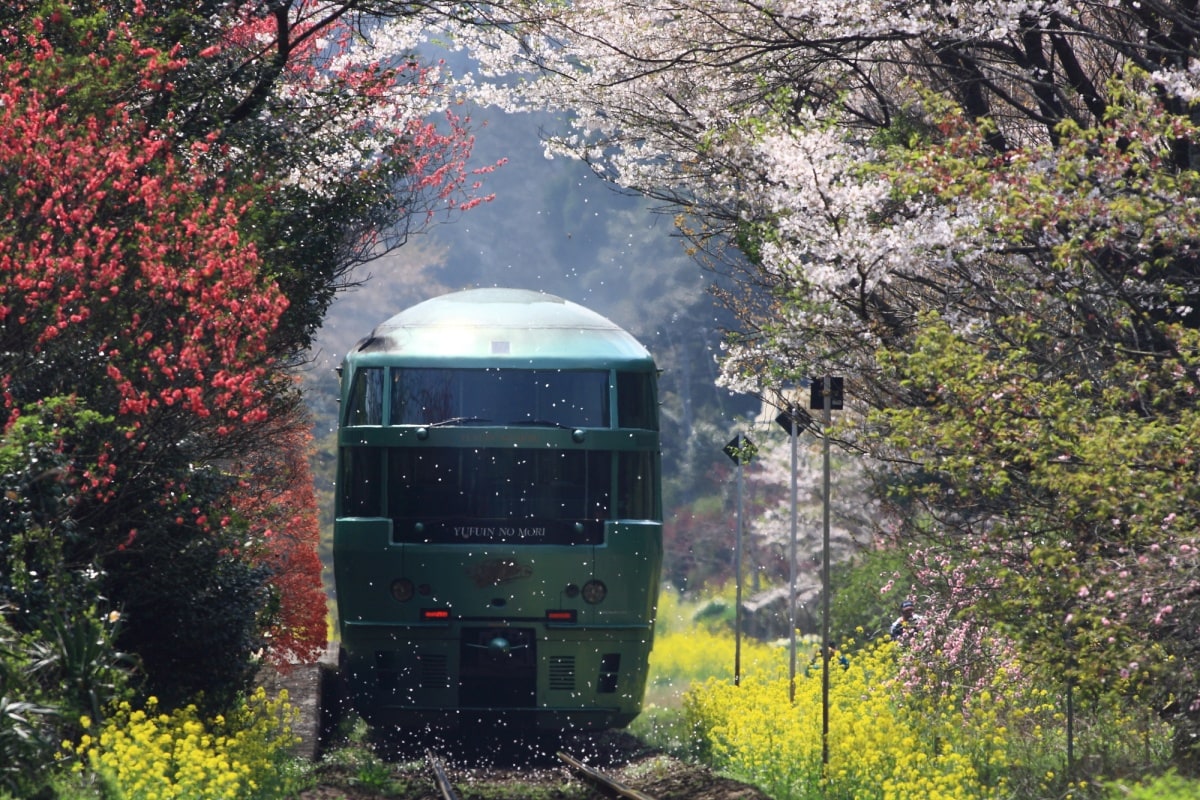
x=827, y=395
x=741, y=450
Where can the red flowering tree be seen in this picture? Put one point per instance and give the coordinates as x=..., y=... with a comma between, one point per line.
x=126, y=286
x=277, y=500
x=184, y=188
x=124, y=272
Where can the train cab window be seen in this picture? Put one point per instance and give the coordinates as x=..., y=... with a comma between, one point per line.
x=359, y=482
x=365, y=403
x=567, y=398
x=636, y=403
x=636, y=479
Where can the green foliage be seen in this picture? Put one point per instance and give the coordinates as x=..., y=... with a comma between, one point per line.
x=43, y=550
x=187, y=601
x=77, y=664
x=27, y=742
x=716, y=614
x=1057, y=471
x=1048, y=444
x=1170, y=786
x=354, y=762
x=49, y=680
x=867, y=591
x=192, y=606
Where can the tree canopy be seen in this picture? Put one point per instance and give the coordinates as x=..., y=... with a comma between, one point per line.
x=982, y=214
x=185, y=187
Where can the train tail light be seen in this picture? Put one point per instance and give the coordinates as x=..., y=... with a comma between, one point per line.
x=561, y=615
x=435, y=614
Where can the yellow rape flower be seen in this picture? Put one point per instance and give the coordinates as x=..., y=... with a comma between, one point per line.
x=146, y=754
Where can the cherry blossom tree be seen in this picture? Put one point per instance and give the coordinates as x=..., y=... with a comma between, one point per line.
x=981, y=214
x=750, y=118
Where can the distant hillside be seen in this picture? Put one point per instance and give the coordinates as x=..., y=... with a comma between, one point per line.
x=553, y=227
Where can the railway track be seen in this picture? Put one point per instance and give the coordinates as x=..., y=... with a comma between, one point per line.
x=603, y=782
x=439, y=776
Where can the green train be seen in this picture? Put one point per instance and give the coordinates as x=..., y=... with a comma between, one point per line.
x=498, y=532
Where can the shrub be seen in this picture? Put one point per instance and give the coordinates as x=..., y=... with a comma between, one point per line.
x=48, y=678
x=1165, y=787
x=26, y=743
x=191, y=605
x=147, y=755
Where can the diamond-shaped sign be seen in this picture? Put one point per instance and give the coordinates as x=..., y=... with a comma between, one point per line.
x=740, y=450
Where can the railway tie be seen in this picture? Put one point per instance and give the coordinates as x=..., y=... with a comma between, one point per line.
x=599, y=778
x=440, y=777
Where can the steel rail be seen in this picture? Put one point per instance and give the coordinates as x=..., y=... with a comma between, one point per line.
x=440, y=777
x=608, y=783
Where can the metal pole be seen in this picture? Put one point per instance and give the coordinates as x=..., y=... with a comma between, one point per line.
x=828, y=397
x=795, y=428
x=737, y=568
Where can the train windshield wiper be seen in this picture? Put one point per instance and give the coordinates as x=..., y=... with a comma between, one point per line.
x=540, y=423
x=461, y=421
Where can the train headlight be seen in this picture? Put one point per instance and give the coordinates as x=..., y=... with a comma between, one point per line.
x=594, y=591
x=402, y=589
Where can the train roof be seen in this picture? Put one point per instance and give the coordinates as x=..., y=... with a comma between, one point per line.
x=480, y=327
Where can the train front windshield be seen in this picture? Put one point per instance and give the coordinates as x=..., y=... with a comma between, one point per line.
x=572, y=399
x=565, y=398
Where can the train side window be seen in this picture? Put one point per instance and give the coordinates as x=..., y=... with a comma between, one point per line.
x=636, y=404
x=636, y=479
x=360, y=482
x=365, y=404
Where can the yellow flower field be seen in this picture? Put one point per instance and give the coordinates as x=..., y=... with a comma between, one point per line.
x=143, y=755
x=893, y=735
x=880, y=744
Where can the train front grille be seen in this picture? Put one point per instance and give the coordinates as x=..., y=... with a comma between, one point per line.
x=432, y=672
x=498, y=668
x=562, y=673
